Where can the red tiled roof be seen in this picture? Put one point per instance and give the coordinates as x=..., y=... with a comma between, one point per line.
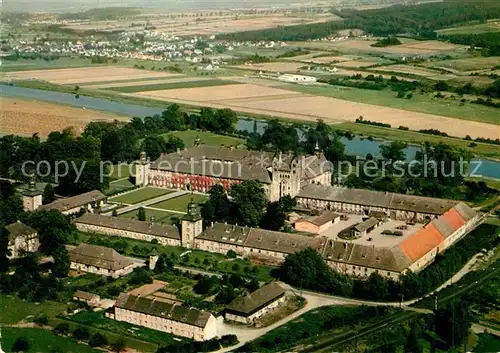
x=420, y=243
x=453, y=219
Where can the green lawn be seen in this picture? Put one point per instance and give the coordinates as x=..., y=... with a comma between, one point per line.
x=483, y=149
x=119, y=186
x=180, y=203
x=13, y=309
x=172, y=85
x=140, y=195
x=43, y=341
x=40, y=64
x=487, y=343
x=423, y=103
x=206, y=138
x=159, y=216
x=120, y=171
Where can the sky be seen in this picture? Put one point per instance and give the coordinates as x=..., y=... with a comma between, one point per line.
x=79, y=5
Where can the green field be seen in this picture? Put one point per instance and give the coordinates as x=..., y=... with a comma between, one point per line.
x=14, y=310
x=173, y=85
x=180, y=203
x=162, y=78
x=487, y=27
x=40, y=64
x=159, y=216
x=467, y=64
x=206, y=138
x=413, y=137
x=140, y=195
x=422, y=103
x=487, y=343
x=122, y=170
x=119, y=186
x=43, y=341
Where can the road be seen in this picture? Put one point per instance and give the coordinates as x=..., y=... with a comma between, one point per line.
x=478, y=328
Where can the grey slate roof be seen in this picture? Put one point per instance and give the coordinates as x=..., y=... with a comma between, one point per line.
x=465, y=211
x=19, y=229
x=367, y=224
x=162, y=309
x=223, y=162
x=256, y=300
x=85, y=295
x=74, y=201
x=99, y=256
x=132, y=225
x=325, y=217
x=377, y=199
x=261, y=238
x=383, y=258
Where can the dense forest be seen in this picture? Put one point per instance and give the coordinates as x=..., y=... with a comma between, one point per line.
x=490, y=42
x=418, y=20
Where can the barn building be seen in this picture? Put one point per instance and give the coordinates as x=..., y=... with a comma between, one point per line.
x=99, y=260
x=22, y=239
x=163, y=316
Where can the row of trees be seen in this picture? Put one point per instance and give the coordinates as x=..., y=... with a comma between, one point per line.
x=420, y=20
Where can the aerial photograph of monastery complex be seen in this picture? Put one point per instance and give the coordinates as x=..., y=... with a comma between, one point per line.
x=261, y=176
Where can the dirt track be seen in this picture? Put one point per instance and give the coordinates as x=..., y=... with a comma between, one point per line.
x=25, y=117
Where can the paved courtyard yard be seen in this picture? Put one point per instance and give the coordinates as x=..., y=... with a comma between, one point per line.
x=180, y=203
x=140, y=195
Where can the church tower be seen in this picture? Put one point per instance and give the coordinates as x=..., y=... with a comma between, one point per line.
x=142, y=170
x=32, y=198
x=192, y=225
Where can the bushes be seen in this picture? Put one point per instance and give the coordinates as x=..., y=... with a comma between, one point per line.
x=98, y=340
x=81, y=333
x=195, y=347
x=368, y=122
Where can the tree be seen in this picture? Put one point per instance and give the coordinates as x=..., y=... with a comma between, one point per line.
x=62, y=329
x=453, y=322
x=98, y=340
x=173, y=118
x=154, y=146
x=21, y=344
x=412, y=344
x=280, y=137
x=226, y=295
x=61, y=262
x=41, y=319
x=173, y=144
x=4, y=249
x=141, y=214
x=48, y=194
x=393, y=151
x=274, y=218
x=119, y=345
x=53, y=228
x=140, y=275
x=248, y=202
x=218, y=207
x=81, y=333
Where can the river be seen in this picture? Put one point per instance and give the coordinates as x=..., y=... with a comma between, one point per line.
x=356, y=146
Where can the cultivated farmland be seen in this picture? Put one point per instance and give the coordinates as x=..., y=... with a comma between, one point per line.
x=212, y=94
x=273, y=67
x=25, y=117
x=170, y=85
x=86, y=74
